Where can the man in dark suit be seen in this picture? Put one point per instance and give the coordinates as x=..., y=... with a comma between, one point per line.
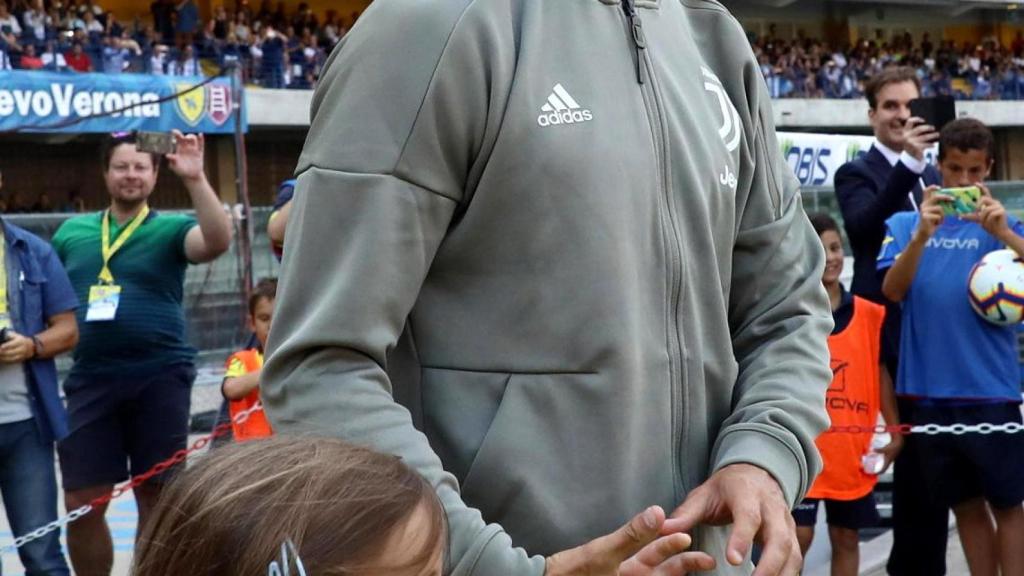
x=870, y=189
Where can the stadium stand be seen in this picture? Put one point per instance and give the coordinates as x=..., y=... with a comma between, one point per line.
x=276, y=49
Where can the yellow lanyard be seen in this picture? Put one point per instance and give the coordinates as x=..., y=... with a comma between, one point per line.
x=109, y=250
x=3, y=274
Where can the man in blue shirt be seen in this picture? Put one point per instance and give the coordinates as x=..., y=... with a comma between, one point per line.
x=955, y=367
x=37, y=322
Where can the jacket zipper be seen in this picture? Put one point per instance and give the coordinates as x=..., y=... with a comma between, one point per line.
x=653, y=106
x=639, y=42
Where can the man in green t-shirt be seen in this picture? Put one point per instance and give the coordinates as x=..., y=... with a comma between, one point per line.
x=128, y=391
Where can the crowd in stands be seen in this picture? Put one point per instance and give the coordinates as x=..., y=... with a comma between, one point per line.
x=275, y=47
x=811, y=68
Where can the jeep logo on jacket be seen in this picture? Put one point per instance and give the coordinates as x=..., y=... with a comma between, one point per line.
x=583, y=225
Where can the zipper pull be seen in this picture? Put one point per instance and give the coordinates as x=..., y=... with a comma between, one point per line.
x=639, y=41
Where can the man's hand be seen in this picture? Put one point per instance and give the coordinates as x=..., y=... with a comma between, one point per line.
x=891, y=450
x=751, y=500
x=17, y=348
x=918, y=137
x=187, y=160
x=633, y=550
x=991, y=215
x=931, y=214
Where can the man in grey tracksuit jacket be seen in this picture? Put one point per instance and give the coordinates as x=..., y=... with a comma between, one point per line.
x=578, y=211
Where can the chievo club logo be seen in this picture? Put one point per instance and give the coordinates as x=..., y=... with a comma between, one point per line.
x=561, y=108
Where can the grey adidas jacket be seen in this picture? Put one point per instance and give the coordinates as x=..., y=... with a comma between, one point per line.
x=584, y=220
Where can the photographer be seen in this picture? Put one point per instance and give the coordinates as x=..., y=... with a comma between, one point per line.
x=129, y=390
x=37, y=322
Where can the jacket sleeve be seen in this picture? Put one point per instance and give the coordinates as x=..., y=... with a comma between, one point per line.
x=779, y=319
x=397, y=125
x=864, y=208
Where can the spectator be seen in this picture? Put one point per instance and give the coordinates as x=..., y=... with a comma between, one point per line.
x=8, y=22
x=186, y=64
x=870, y=189
x=219, y=25
x=955, y=367
x=77, y=59
x=75, y=203
x=52, y=59
x=272, y=58
x=90, y=24
x=278, y=220
x=115, y=56
x=29, y=59
x=43, y=204
x=128, y=390
x=36, y=21
x=187, y=22
x=241, y=29
x=37, y=323
x=242, y=378
x=861, y=388
x=163, y=20
x=158, y=60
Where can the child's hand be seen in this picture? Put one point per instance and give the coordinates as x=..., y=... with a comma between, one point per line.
x=890, y=451
x=931, y=213
x=991, y=215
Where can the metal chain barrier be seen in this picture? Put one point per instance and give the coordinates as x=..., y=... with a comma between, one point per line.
x=931, y=429
x=178, y=457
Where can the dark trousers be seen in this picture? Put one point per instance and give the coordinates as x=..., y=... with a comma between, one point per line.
x=920, y=525
x=28, y=481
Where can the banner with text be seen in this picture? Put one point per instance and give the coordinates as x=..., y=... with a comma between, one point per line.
x=34, y=101
x=814, y=158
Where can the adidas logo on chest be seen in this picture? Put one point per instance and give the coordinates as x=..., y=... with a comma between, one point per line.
x=561, y=108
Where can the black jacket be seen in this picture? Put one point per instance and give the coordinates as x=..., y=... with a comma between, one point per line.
x=869, y=191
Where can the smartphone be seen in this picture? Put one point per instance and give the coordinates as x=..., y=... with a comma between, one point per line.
x=936, y=111
x=964, y=200
x=155, y=142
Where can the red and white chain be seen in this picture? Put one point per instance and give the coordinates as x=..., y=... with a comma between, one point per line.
x=931, y=429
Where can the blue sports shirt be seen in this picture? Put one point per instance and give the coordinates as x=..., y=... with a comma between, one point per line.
x=947, y=351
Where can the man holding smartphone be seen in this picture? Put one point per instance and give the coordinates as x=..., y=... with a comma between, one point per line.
x=870, y=189
x=129, y=389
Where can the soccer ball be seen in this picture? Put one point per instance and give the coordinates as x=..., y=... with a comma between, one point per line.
x=995, y=288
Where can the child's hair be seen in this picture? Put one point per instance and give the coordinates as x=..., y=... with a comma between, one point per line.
x=966, y=134
x=823, y=223
x=265, y=288
x=231, y=512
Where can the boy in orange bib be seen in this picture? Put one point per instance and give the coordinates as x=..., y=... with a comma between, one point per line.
x=861, y=387
x=242, y=380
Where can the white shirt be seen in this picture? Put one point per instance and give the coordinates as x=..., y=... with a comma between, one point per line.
x=913, y=164
x=11, y=21
x=49, y=58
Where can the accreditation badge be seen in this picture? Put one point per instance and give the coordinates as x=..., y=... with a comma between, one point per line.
x=103, y=301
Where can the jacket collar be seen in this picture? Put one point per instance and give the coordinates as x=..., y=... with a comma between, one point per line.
x=12, y=234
